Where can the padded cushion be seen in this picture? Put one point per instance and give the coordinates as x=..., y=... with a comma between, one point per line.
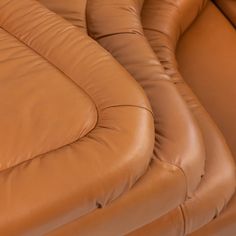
x=165, y=171
x=178, y=140
x=141, y=205
x=165, y=22
x=71, y=10
x=211, y=73
x=85, y=128
x=41, y=109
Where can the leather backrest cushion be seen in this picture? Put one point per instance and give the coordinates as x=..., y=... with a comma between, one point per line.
x=71, y=10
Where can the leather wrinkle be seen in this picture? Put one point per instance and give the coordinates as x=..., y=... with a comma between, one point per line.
x=172, y=63
x=97, y=115
x=135, y=32
x=134, y=106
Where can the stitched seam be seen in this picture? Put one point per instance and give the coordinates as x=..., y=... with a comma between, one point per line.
x=134, y=106
x=182, y=171
x=118, y=33
x=52, y=150
x=184, y=219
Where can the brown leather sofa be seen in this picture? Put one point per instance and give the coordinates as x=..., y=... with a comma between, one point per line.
x=91, y=169
x=71, y=142
x=201, y=67
x=122, y=35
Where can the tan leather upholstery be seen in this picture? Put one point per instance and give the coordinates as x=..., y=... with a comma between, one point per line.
x=165, y=171
x=171, y=224
x=145, y=202
x=71, y=10
x=212, y=76
x=122, y=36
x=76, y=130
x=224, y=225
x=202, y=36
x=228, y=7
x=164, y=22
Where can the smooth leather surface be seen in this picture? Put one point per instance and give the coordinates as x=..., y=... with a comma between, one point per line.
x=171, y=224
x=215, y=86
x=224, y=225
x=228, y=7
x=211, y=73
x=82, y=174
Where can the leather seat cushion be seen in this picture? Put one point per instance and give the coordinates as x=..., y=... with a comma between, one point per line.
x=140, y=206
x=76, y=131
x=32, y=103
